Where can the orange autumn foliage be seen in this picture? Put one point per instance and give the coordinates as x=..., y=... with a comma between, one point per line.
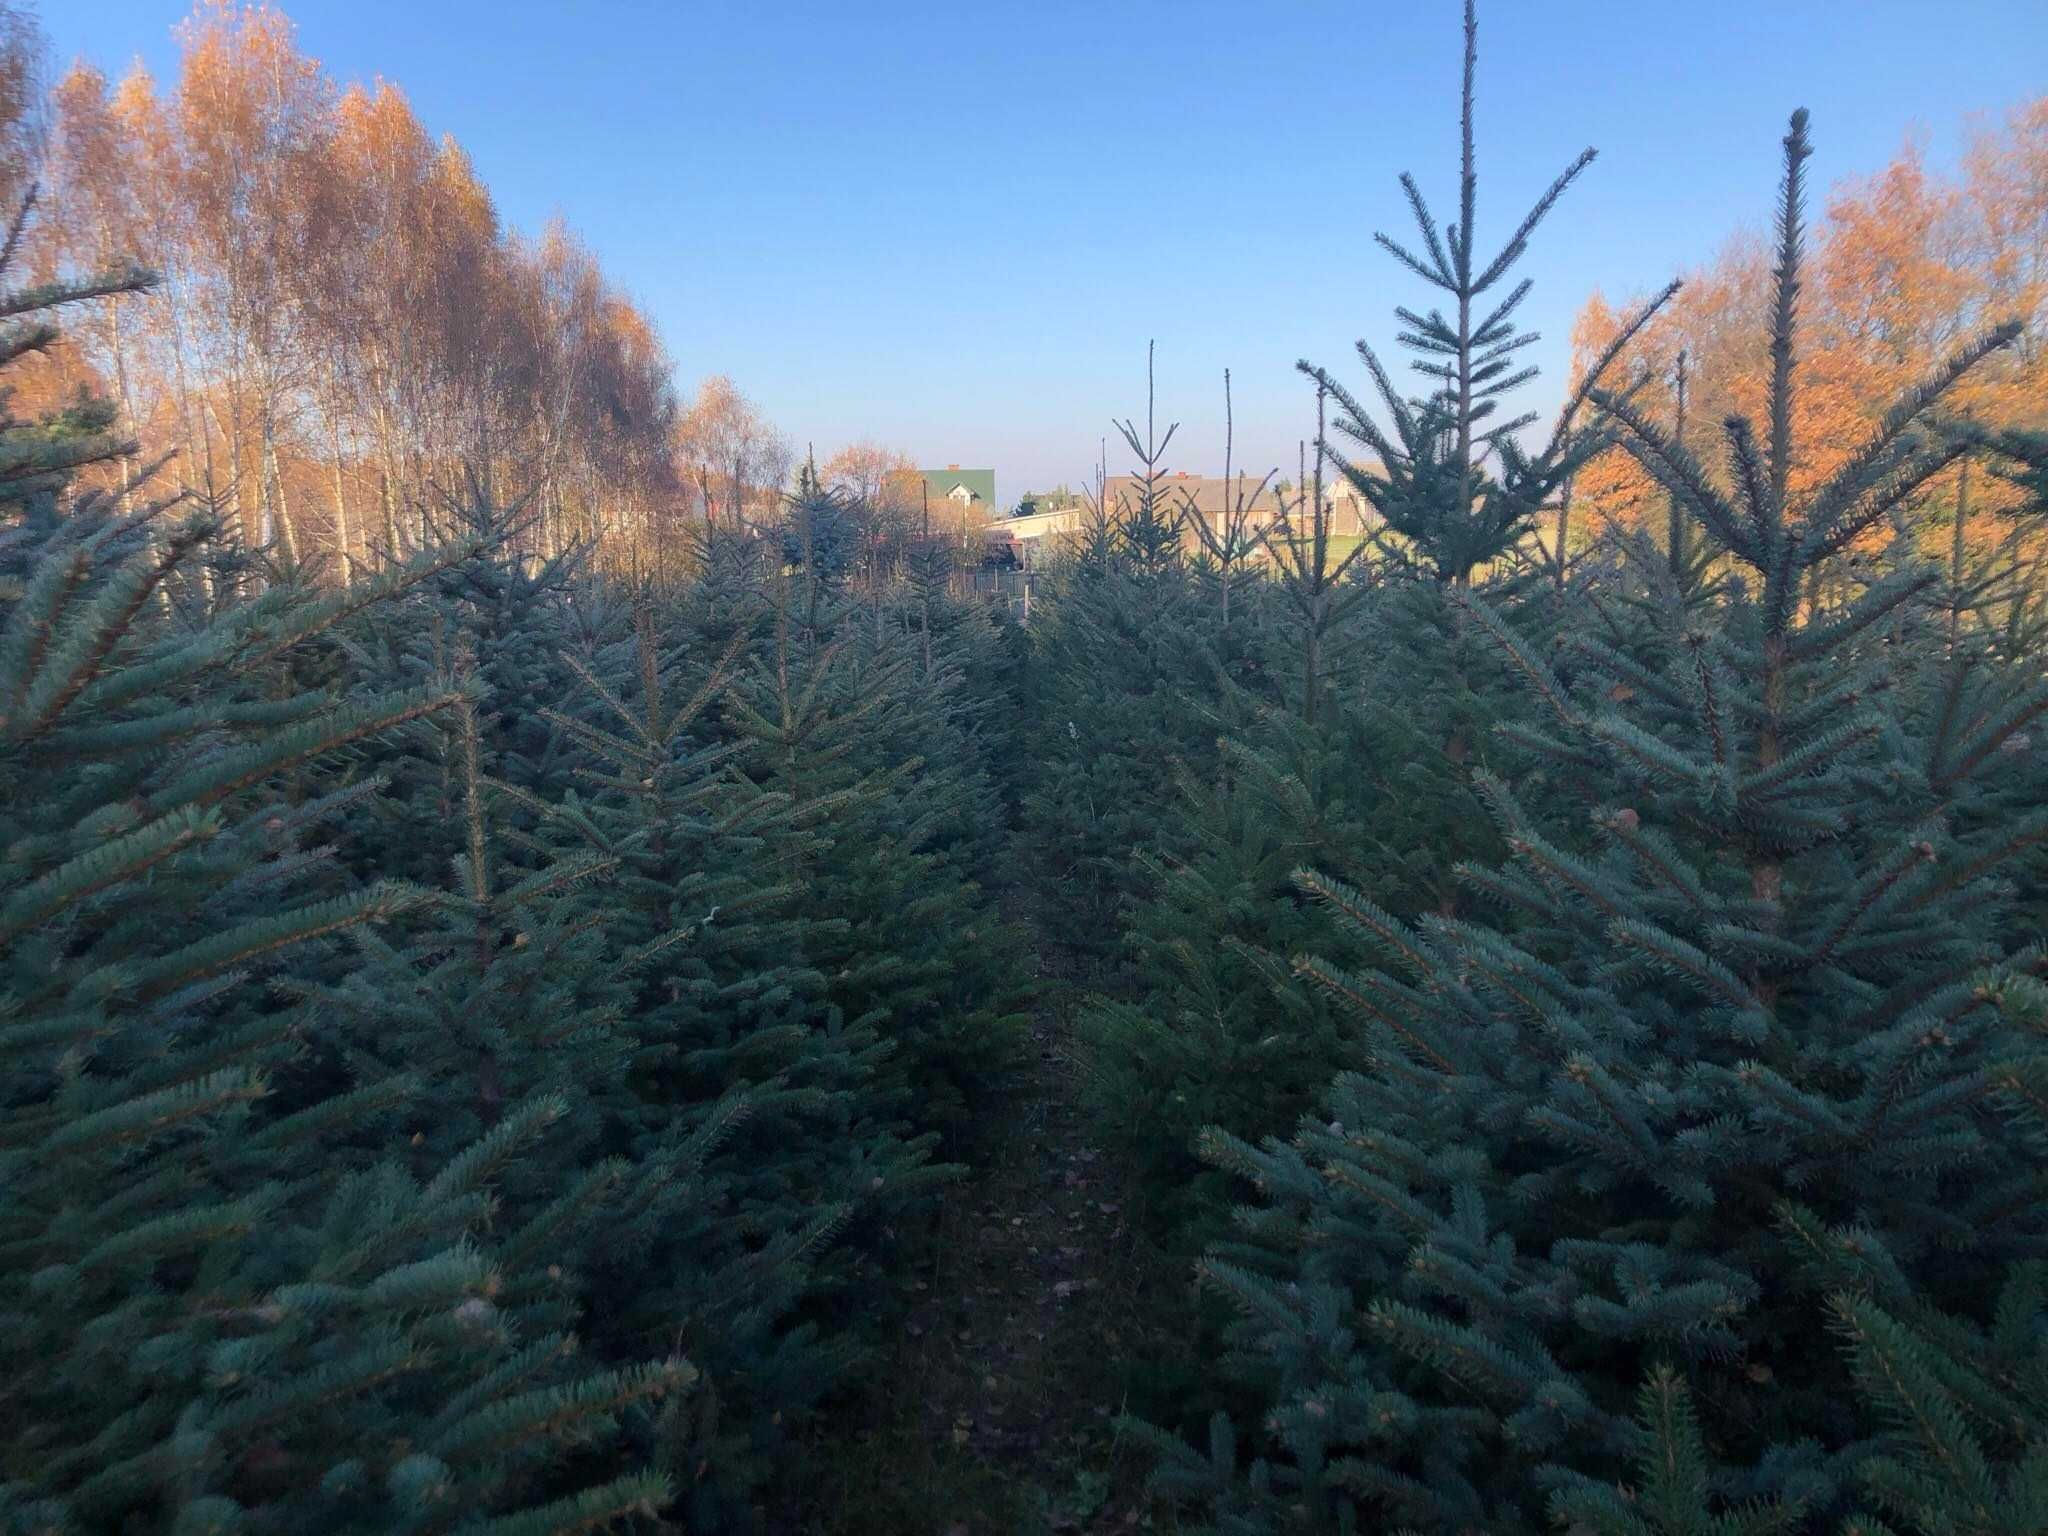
x=344, y=332
x=1906, y=265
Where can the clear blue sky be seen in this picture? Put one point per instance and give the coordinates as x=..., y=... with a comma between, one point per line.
x=952, y=227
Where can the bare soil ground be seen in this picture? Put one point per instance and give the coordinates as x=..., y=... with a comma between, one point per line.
x=996, y=1411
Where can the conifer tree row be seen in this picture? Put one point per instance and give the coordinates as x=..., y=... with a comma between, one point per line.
x=1348, y=725
x=479, y=1040
x=483, y=1044
x=227, y=1306
x=1675, y=1166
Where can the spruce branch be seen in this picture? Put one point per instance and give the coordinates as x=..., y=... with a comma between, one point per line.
x=1785, y=288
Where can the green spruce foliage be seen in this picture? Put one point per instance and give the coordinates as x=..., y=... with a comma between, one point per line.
x=1728, y=1052
x=477, y=1041
x=485, y=1042
x=1130, y=677
x=230, y=1302
x=1351, y=740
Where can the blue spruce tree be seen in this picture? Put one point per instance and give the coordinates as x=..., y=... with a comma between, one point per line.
x=230, y=1299
x=1731, y=1037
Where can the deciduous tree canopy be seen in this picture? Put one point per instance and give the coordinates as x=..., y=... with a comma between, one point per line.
x=1905, y=264
x=344, y=331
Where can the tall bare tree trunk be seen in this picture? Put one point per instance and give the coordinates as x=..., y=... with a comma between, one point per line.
x=280, y=506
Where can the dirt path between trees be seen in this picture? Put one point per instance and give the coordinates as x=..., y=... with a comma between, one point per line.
x=996, y=1411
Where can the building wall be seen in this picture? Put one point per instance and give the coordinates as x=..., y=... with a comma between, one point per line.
x=1350, y=518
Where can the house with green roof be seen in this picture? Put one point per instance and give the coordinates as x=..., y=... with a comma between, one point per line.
x=965, y=488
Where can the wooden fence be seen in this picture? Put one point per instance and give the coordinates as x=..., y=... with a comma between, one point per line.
x=1007, y=585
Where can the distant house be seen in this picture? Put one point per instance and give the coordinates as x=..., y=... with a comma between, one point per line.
x=1211, y=498
x=968, y=489
x=1031, y=503
x=1209, y=495
x=1030, y=535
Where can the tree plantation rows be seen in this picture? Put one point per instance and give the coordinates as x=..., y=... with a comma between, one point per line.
x=498, y=1030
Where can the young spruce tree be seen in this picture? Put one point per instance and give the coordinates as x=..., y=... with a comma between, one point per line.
x=227, y=1303
x=1364, y=765
x=1734, y=1053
